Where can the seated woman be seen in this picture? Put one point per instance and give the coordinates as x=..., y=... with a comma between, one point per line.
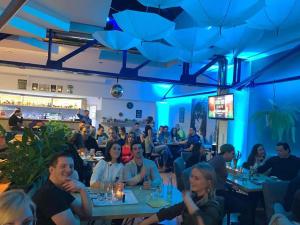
x=200, y=205
x=110, y=169
x=174, y=135
x=198, y=155
x=126, y=154
x=16, y=208
x=162, y=149
x=256, y=158
x=123, y=134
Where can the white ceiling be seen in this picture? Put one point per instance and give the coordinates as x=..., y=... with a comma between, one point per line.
x=60, y=14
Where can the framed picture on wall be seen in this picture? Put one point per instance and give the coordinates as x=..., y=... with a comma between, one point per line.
x=138, y=113
x=59, y=88
x=22, y=84
x=35, y=86
x=181, y=114
x=53, y=88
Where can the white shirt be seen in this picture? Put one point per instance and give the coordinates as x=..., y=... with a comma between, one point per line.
x=107, y=172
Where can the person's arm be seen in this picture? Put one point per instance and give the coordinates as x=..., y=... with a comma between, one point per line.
x=265, y=167
x=210, y=216
x=155, y=175
x=131, y=179
x=150, y=220
x=81, y=208
x=164, y=214
x=98, y=171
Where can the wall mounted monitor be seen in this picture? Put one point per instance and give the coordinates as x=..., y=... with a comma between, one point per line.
x=221, y=107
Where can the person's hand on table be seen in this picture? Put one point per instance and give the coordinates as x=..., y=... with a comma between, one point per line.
x=147, y=184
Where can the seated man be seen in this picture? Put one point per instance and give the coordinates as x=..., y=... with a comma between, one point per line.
x=54, y=201
x=141, y=171
x=284, y=166
x=234, y=202
x=192, y=139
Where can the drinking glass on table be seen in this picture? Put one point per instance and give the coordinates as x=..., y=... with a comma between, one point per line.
x=109, y=191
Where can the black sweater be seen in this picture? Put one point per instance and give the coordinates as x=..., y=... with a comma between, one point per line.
x=283, y=168
x=211, y=213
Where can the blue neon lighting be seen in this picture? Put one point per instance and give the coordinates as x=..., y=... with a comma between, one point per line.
x=162, y=113
x=26, y=26
x=57, y=22
x=161, y=89
x=237, y=128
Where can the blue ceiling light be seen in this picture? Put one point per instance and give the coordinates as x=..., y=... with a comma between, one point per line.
x=53, y=20
x=160, y=89
x=27, y=27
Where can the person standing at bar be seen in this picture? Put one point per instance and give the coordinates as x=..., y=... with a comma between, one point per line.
x=85, y=117
x=15, y=121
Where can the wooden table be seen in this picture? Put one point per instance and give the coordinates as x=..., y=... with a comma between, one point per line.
x=141, y=209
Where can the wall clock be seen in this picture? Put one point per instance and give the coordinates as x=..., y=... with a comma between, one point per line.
x=129, y=105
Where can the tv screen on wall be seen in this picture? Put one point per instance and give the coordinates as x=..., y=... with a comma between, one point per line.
x=221, y=107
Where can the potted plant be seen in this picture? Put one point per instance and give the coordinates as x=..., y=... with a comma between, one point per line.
x=27, y=159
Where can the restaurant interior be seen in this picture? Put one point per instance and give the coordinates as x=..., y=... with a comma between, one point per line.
x=226, y=71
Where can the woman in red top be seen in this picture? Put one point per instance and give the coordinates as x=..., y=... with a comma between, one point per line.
x=126, y=154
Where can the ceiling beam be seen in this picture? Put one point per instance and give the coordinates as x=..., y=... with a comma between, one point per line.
x=108, y=74
x=189, y=95
x=249, y=81
x=10, y=11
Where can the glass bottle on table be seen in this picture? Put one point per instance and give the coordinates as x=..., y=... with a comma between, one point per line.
x=169, y=188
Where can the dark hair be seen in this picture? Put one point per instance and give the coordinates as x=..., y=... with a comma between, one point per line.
x=86, y=110
x=56, y=156
x=148, y=127
x=149, y=119
x=17, y=110
x=226, y=148
x=130, y=134
x=100, y=126
x=123, y=129
x=284, y=145
x=196, y=147
x=251, y=159
x=193, y=128
x=137, y=123
x=174, y=135
x=109, y=145
x=135, y=143
x=296, y=207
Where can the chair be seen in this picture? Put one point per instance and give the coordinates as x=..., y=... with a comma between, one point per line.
x=186, y=155
x=179, y=166
x=274, y=191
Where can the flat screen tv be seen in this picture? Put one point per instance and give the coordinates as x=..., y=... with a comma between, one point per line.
x=221, y=107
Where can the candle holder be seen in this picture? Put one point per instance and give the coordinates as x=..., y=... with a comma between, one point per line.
x=118, y=191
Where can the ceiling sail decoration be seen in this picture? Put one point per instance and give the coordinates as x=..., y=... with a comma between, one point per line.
x=143, y=25
x=221, y=13
x=158, y=52
x=116, y=40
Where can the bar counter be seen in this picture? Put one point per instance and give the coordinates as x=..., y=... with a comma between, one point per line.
x=26, y=122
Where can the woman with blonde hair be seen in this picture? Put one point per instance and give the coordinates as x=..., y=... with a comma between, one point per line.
x=16, y=208
x=199, y=205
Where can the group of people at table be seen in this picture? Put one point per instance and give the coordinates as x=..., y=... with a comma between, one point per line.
x=204, y=202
